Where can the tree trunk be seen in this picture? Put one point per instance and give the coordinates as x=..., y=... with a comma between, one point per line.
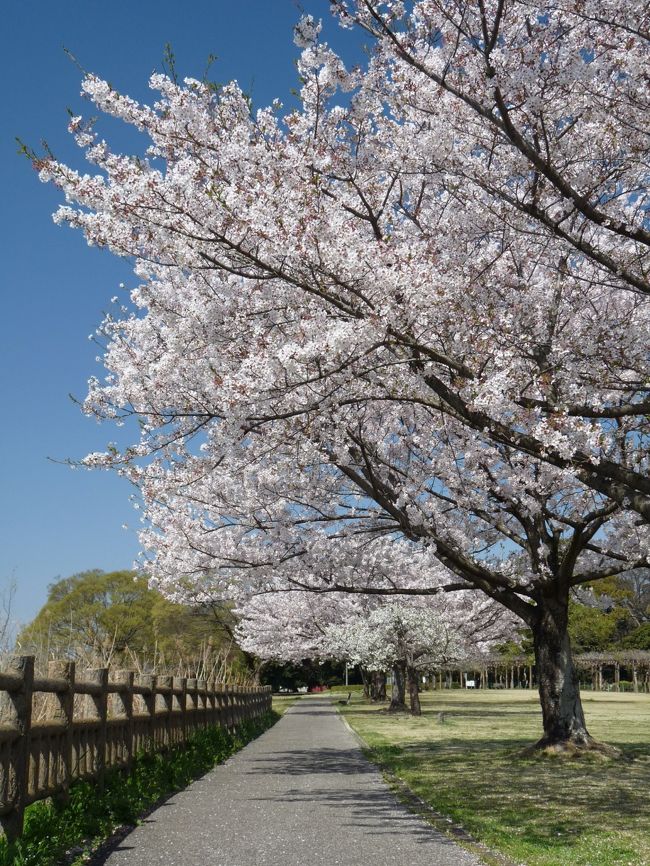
x=414, y=691
x=398, y=697
x=378, y=687
x=559, y=690
x=366, y=679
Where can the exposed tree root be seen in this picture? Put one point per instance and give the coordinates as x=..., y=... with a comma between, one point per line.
x=576, y=748
x=396, y=708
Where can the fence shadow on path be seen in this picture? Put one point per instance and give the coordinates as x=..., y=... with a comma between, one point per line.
x=369, y=812
x=304, y=762
x=372, y=810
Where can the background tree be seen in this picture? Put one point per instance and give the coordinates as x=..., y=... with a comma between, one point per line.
x=377, y=634
x=406, y=639
x=115, y=617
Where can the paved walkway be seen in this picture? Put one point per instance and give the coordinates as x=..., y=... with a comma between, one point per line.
x=300, y=794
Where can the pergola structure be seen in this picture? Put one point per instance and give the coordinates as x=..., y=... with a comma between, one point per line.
x=606, y=671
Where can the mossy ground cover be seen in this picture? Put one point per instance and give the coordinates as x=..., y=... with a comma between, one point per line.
x=541, y=811
x=67, y=833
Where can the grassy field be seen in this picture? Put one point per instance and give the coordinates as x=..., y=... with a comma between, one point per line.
x=538, y=811
x=281, y=703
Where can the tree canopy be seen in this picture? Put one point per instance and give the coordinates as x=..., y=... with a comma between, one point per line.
x=100, y=617
x=395, y=340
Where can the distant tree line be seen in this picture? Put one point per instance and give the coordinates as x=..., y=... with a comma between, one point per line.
x=100, y=618
x=615, y=615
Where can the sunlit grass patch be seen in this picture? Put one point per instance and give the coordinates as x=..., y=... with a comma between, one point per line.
x=281, y=703
x=463, y=757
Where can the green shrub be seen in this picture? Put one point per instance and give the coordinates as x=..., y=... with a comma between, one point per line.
x=90, y=816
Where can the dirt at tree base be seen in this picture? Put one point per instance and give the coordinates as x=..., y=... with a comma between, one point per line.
x=571, y=749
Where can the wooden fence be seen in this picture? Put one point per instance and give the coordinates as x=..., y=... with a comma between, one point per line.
x=112, y=720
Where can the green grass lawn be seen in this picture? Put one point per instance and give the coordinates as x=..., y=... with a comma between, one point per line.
x=541, y=811
x=281, y=703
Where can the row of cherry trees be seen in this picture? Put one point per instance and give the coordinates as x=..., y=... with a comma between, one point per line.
x=378, y=634
x=393, y=341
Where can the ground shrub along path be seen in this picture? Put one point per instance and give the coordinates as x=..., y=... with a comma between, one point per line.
x=65, y=833
x=593, y=811
x=302, y=793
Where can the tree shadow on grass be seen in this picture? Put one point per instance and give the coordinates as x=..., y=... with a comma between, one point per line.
x=542, y=801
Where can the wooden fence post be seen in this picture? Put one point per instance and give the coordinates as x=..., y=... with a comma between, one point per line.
x=211, y=702
x=60, y=709
x=181, y=684
x=96, y=707
x=123, y=707
x=191, y=706
x=16, y=711
x=202, y=701
x=230, y=691
x=223, y=706
x=236, y=705
x=164, y=708
x=149, y=699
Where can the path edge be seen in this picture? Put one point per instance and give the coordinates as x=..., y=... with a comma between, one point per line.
x=442, y=823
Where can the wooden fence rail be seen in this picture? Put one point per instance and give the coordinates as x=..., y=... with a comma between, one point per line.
x=113, y=719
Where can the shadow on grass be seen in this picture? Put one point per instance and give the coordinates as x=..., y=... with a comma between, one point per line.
x=480, y=710
x=543, y=802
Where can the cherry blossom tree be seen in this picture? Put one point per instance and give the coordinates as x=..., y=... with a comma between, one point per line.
x=405, y=322
x=292, y=626
x=402, y=638
x=407, y=636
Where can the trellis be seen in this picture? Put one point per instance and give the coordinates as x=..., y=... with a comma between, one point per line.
x=519, y=671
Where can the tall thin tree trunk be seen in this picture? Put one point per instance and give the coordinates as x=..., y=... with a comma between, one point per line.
x=366, y=679
x=414, y=691
x=378, y=689
x=398, y=697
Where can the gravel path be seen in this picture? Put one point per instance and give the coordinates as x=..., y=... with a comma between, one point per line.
x=300, y=794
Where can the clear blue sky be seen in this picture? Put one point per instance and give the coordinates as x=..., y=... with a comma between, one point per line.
x=55, y=521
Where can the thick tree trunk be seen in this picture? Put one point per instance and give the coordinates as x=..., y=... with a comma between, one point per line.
x=559, y=690
x=398, y=697
x=414, y=691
